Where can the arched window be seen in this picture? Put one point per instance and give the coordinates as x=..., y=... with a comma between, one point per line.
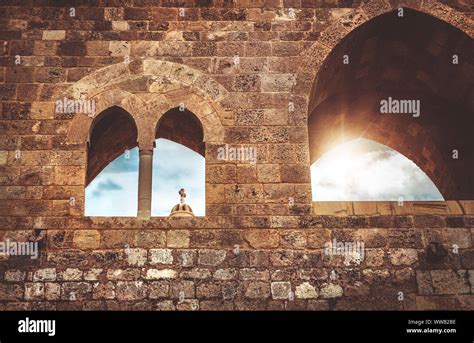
x=174, y=167
x=125, y=181
x=362, y=170
x=178, y=162
x=112, y=165
x=395, y=80
x=114, y=191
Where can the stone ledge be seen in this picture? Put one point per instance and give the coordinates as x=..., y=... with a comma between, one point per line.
x=370, y=208
x=215, y=223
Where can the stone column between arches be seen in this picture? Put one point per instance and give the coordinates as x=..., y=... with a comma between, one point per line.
x=145, y=183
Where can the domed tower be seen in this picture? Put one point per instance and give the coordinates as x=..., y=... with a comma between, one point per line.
x=182, y=209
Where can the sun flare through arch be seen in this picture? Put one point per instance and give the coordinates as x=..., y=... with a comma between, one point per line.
x=364, y=170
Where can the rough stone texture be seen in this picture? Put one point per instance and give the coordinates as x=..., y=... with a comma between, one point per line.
x=306, y=291
x=403, y=256
x=450, y=282
x=281, y=290
x=14, y=275
x=134, y=290
x=154, y=274
x=211, y=257
x=178, y=239
x=262, y=238
x=34, y=291
x=71, y=274
x=161, y=256
x=330, y=291
x=247, y=77
x=45, y=274
x=136, y=257
x=87, y=239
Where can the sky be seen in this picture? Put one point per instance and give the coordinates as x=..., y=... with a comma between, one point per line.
x=365, y=170
x=114, y=191
x=357, y=170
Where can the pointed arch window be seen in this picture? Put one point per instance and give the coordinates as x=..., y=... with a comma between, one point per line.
x=112, y=165
x=178, y=162
x=123, y=180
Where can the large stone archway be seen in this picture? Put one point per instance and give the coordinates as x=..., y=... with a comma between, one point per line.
x=396, y=57
x=349, y=19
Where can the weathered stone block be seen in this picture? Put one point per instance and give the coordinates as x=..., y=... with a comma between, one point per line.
x=19, y=75
x=450, y=281
x=211, y=257
x=278, y=82
x=161, y=256
x=254, y=274
x=52, y=291
x=182, y=290
x=467, y=259
x=71, y=274
x=187, y=258
x=11, y=292
x=293, y=239
x=330, y=290
x=128, y=274
x=196, y=273
x=103, y=290
x=262, y=238
x=158, y=289
x=402, y=256
x=225, y=274
x=54, y=34
x=306, y=291
x=374, y=257
x=45, y=274
x=375, y=275
x=258, y=289
x=150, y=238
x=157, y=274
x=34, y=291
x=208, y=290
x=117, y=48
x=14, y=275
x=76, y=291
x=136, y=256
x=178, y=239
x=268, y=173
x=281, y=290
x=423, y=279
x=458, y=236
x=133, y=290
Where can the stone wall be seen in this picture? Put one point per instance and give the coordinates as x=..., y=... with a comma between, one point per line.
x=250, y=263
x=237, y=66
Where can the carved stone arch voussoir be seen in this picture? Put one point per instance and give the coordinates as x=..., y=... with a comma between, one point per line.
x=81, y=125
x=169, y=84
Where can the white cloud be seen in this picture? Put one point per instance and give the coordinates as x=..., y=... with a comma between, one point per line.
x=366, y=170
